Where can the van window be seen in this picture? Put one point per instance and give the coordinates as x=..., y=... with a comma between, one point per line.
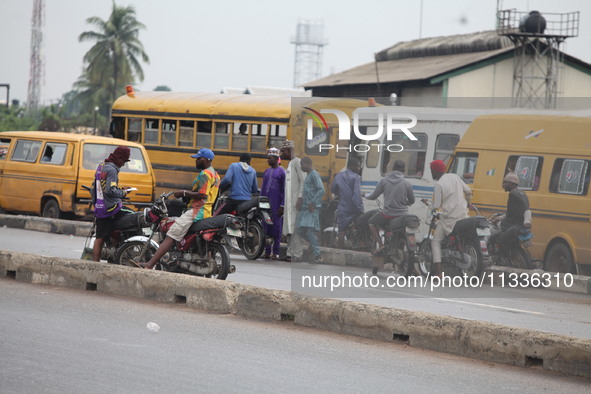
x=464, y=165
x=4, y=145
x=26, y=150
x=528, y=169
x=94, y=154
x=413, y=154
x=570, y=176
x=54, y=153
x=444, y=146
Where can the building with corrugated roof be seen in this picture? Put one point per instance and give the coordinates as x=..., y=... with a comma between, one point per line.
x=431, y=71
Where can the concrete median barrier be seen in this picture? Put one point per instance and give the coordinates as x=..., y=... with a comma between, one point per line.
x=473, y=339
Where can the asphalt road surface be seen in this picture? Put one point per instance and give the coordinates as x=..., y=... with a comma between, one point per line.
x=543, y=310
x=56, y=340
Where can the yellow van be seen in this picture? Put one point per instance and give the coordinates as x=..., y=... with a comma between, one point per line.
x=43, y=172
x=551, y=156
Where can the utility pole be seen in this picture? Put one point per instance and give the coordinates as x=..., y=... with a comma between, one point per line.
x=36, y=64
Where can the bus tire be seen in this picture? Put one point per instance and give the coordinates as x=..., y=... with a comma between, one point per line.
x=559, y=259
x=51, y=210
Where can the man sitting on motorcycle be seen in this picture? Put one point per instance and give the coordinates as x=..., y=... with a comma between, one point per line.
x=242, y=179
x=201, y=198
x=452, y=196
x=518, y=215
x=398, y=196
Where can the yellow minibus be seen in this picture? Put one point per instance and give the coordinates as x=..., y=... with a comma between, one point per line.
x=43, y=172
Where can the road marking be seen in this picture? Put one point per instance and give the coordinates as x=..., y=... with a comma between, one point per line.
x=491, y=306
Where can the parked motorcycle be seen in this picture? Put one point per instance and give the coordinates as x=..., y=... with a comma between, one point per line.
x=128, y=226
x=255, y=212
x=200, y=252
x=400, y=244
x=514, y=251
x=464, y=248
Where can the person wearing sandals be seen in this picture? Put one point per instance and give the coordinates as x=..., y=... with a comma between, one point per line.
x=274, y=188
x=398, y=196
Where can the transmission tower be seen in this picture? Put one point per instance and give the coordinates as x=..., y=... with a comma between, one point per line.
x=309, y=43
x=36, y=64
x=537, y=57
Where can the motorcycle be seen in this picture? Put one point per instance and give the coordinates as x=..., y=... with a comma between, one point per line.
x=400, y=244
x=255, y=212
x=356, y=235
x=201, y=252
x=514, y=252
x=465, y=248
x=128, y=226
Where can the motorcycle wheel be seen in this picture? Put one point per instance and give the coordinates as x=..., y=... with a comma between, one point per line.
x=472, y=248
x=129, y=253
x=220, y=255
x=406, y=265
x=254, y=246
x=521, y=259
x=425, y=258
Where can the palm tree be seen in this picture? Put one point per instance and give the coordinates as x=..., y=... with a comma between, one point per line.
x=114, y=60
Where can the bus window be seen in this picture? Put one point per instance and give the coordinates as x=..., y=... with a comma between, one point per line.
x=117, y=127
x=570, y=176
x=278, y=134
x=203, y=134
x=464, y=165
x=413, y=154
x=54, y=153
x=26, y=151
x=134, y=129
x=320, y=136
x=444, y=146
x=528, y=169
x=240, y=137
x=372, y=157
x=186, y=131
x=222, y=135
x=151, y=131
x=259, y=137
x=168, y=132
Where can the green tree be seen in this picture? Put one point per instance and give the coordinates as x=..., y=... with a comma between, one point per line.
x=162, y=88
x=113, y=61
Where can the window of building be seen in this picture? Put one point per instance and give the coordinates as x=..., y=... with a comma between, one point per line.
x=413, y=154
x=444, y=146
x=570, y=176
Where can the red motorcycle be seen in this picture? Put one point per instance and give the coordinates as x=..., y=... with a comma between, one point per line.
x=201, y=252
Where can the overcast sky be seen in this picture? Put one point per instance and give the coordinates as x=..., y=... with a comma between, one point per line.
x=203, y=46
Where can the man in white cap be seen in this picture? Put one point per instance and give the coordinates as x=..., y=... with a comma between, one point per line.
x=294, y=191
x=274, y=188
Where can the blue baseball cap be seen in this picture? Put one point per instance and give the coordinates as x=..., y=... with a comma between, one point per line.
x=204, y=152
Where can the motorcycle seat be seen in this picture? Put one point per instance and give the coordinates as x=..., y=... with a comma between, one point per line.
x=129, y=221
x=404, y=221
x=362, y=219
x=246, y=205
x=469, y=225
x=209, y=223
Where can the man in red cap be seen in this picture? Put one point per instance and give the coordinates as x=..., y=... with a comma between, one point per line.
x=452, y=196
x=106, y=197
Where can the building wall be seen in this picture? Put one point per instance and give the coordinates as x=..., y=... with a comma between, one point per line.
x=573, y=83
x=424, y=96
x=494, y=80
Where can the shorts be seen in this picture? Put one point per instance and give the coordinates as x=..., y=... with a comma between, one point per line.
x=105, y=226
x=381, y=220
x=181, y=226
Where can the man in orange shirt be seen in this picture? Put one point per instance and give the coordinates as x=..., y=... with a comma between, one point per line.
x=201, y=199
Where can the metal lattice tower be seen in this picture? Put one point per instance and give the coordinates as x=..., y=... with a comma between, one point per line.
x=537, y=55
x=309, y=44
x=36, y=64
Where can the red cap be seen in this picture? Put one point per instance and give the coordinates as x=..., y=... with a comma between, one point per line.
x=438, y=166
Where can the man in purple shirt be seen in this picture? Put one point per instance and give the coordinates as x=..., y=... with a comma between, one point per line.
x=274, y=188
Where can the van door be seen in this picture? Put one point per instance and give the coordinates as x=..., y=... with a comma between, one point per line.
x=4, y=148
x=20, y=187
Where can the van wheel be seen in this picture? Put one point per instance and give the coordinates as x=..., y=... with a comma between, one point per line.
x=559, y=259
x=51, y=210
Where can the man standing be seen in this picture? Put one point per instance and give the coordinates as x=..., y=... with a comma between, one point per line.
x=308, y=221
x=201, y=198
x=453, y=196
x=106, y=197
x=294, y=190
x=347, y=187
x=242, y=179
x=398, y=196
x=274, y=188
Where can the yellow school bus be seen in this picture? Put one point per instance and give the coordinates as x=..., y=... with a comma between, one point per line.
x=43, y=172
x=551, y=156
x=173, y=125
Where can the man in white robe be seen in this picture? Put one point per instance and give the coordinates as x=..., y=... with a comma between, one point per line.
x=294, y=190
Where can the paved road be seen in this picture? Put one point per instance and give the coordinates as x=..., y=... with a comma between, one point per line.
x=56, y=340
x=544, y=310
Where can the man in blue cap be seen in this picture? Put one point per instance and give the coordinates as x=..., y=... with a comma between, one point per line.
x=199, y=203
